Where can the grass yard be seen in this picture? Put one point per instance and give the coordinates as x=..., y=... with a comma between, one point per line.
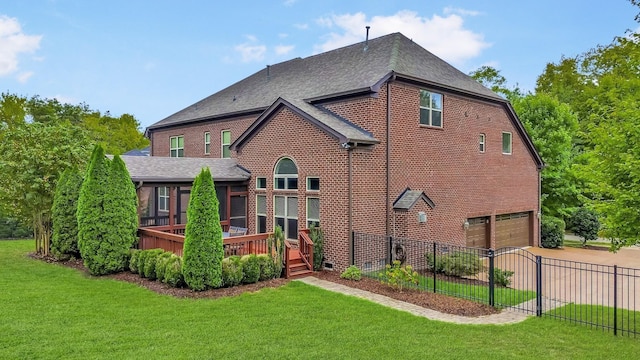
x=49, y=311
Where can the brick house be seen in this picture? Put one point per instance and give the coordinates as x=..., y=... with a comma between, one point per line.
x=379, y=137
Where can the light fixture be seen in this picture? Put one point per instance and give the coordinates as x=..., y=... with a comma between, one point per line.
x=465, y=224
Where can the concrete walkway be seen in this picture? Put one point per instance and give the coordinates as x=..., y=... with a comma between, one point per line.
x=507, y=316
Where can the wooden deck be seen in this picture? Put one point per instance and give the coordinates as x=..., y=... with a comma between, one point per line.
x=298, y=259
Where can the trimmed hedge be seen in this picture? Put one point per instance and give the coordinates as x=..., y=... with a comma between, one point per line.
x=173, y=272
x=458, y=263
x=161, y=264
x=232, y=271
x=266, y=267
x=133, y=260
x=150, y=263
x=250, y=269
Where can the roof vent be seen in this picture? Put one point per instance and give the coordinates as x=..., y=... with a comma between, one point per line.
x=366, y=41
x=268, y=72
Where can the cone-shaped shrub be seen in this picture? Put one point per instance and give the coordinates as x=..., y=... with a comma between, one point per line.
x=91, y=214
x=121, y=216
x=64, y=243
x=202, y=262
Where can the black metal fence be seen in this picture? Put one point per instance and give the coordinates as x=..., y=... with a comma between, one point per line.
x=601, y=296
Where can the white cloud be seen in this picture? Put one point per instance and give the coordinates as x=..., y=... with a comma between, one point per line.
x=324, y=22
x=12, y=43
x=444, y=36
x=289, y=2
x=463, y=12
x=24, y=77
x=250, y=51
x=284, y=49
x=301, y=26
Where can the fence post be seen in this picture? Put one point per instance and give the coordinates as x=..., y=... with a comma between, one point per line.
x=353, y=247
x=492, y=284
x=615, y=299
x=435, y=260
x=538, y=285
x=390, y=238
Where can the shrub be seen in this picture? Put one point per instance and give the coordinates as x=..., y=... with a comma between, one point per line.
x=128, y=259
x=398, y=276
x=502, y=277
x=64, y=242
x=585, y=224
x=458, y=263
x=231, y=271
x=141, y=259
x=92, y=215
x=161, y=264
x=552, y=232
x=150, y=263
x=12, y=229
x=250, y=269
x=133, y=261
x=173, y=272
x=352, y=273
x=317, y=236
x=275, y=245
x=266, y=267
x=203, y=252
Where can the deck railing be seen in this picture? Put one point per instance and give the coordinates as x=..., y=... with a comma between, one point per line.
x=172, y=239
x=306, y=248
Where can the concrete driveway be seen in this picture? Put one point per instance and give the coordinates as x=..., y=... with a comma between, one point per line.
x=580, y=276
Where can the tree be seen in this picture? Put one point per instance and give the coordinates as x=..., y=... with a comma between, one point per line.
x=121, y=215
x=203, y=253
x=64, y=243
x=491, y=78
x=551, y=126
x=92, y=215
x=585, y=224
x=32, y=156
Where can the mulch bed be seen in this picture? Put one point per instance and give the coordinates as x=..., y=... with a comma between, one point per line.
x=438, y=302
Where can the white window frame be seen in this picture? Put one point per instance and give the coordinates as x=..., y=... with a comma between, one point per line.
x=483, y=143
x=286, y=217
x=286, y=177
x=309, y=182
x=177, y=148
x=163, y=193
x=258, y=183
x=258, y=214
x=207, y=143
x=510, y=143
x=432, y=109
x=223, y=144
x=309, y=219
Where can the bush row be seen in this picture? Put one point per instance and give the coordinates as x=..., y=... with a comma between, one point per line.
x=457, y=263
x=164, y=266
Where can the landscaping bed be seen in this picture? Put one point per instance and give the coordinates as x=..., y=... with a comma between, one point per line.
x=438, y=302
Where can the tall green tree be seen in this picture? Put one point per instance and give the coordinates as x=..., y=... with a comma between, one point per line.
x=92, y=215
x=64, y=243
x=551, y=126
x=203, y=253
x=491, y=78
x=32, y=156
x=121, y=215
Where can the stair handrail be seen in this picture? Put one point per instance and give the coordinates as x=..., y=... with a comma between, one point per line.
x=306, y=248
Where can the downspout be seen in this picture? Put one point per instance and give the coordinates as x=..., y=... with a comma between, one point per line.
x=350, y=205
x=388, y=156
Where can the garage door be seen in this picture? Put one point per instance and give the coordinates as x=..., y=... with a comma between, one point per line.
x=477, y=232
x=513, y=230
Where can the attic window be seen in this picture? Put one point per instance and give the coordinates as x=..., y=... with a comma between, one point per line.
x=430, y=109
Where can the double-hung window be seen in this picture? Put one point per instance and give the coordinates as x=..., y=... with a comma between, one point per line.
x=163, y=198
x=225, y=140
x=176, y=147
x=207, y=143
x=482, y=142
x=286, y=215
x=430, y=108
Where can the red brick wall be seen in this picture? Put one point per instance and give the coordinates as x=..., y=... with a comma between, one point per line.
x=315, y=154
x=194, y=136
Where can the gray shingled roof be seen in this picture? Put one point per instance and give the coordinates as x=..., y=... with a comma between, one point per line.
x=166, y=169
x=408, y=199
x=345, y=70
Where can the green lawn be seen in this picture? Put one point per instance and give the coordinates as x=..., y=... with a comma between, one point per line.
x=49, y=311
x=626, y=321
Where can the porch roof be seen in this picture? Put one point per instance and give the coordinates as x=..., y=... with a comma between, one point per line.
x=157, y=169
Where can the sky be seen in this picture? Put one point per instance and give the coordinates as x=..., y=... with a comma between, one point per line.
x=152, y=58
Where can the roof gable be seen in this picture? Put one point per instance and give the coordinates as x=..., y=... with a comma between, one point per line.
x=408, y=198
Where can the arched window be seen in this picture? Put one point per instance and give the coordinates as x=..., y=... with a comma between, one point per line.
x=286, y=175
